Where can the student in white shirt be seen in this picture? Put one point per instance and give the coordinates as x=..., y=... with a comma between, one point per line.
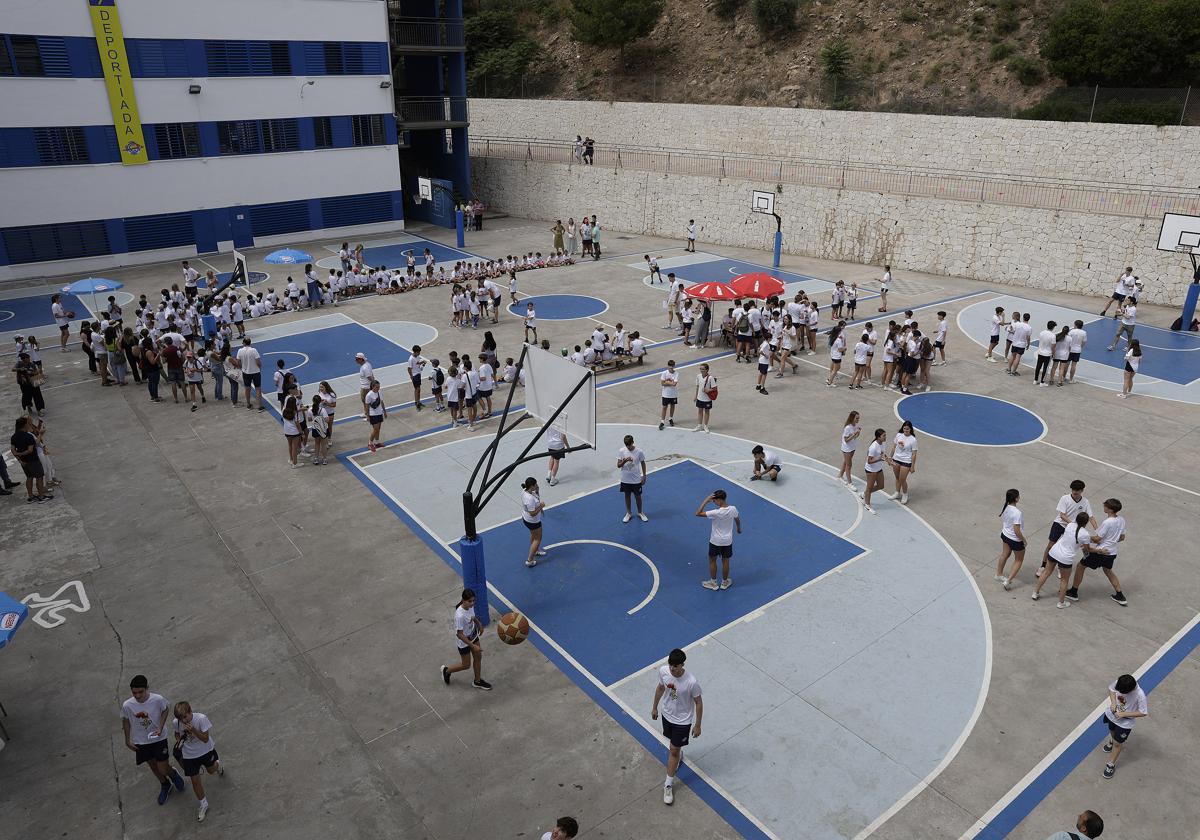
x=365, y=374
x=250, y=363
x=862, y=351
x=691, y=236
x=1063, y=552
x=876, y=457
x=631, y=461
x=1069, y=506
x=487, y=384
x=468, y=633
x=376, y=413
x=1133, y=360
x=939, y=339
x=706, y=394
x=1124, y=282
x=669, y=382
x=677, y=697
x=564, y=829
x=637, y=347
x=556, y=446
x=1126, y=703
x=415, y=364
x=849, y=442
x=903, y=460
x=532, y=507
x=144, y=722
x=62, y=318
x=885, y=285
x=837, y=349
x=766, y=464
x=1102, y=553
x=1061, y=356
x=652, y=265
x=530, y=323
x=1045, y=354
x=1021, y=333
x=1076, y=339
x=994, y=337
x=765, y=357
x=723, y=518
x=1012, y=539
x=195, y=743
x=1128, y=315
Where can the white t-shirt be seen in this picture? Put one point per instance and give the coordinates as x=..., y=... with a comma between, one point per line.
x=722, y=521
x=374, y=404
x=1110, y=532
x=1132, y=360
x=1046, y=343
x=415, y=365
x=60, y=314
x=1068, y=544
x=1021, y=334
x=770, y=459
x=1129, y=315
x=555, y=439
x=631, y=471
x=670, y=384
x=678, y=704
x=1076, y=338
x=144, y=719
x=764, y=353
x=1009, y=520
x=1068, y=509
x=249, y=360
x=996, y=325
x=365, y=374
x=487, y=377
x=861, y=351
x=1062, y=348
x=531, y=317
x=875, y=451
x=464, y=621
x=886, y=282
x=1134, y=701
x=838, y=348
x=849, y=446
x=529, y=503
x=194, y=747
x=906, y=445
x=942, y=328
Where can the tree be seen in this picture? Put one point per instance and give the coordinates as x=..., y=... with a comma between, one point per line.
x=835, y=58
x=775, y=18
x=613, y=23
x=498, y=55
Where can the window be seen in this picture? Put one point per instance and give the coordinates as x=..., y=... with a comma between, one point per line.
x=344, y=210
x=169, y=230
x=39, y=243
x=26, y=56
x=367, y=130
x=281, y=217
x=248, y=137
x=155, y=58
x=177, y=140
x=248, y=58
x=60, y=145
x=323, y=132
x=6, y=62
x=336, y=58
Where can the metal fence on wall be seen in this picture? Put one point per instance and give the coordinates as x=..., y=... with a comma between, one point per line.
x=1044, y=194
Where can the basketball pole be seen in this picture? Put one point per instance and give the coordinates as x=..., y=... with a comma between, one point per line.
x=1191, y=298
x=470, y=547
x=778, y=240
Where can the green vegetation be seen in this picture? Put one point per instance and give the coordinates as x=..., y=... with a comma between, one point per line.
x=498, y=55
x=1006, y=21
x=1027, y=71
x=1133, y=43
x=835, y=58
x=775, y=18
x=1001, y=51
x=909, y=15
x=726, y=9
x=1063, y=106
x=613, y=23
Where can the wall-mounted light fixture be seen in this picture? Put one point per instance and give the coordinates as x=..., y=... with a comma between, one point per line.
x=385, y=84
x=303, y=86
x=193, y=89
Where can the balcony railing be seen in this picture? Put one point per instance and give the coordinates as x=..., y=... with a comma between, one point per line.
x=428, y=34
x=432, y=111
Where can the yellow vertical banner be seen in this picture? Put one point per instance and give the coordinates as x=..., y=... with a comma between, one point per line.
x=118, y=80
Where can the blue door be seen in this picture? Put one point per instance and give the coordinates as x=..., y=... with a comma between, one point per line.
x=239, y=226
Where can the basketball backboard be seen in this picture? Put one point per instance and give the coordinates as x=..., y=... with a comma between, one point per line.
x=1180, y=233
x=550, y=381
x=762, y=201
x=425, y=189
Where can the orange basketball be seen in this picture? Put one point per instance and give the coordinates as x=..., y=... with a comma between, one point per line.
x=513, y=628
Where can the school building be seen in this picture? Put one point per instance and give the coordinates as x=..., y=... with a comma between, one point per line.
x=135, y=131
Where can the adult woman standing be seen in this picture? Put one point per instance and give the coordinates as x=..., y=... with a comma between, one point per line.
x=585, y=233
x=1133, y=359
x=116, y=354
x=572, y=240
x=850, y=433
x=152, y=367
x=30, y=379
x=558, y=230
x=903, y=460
x=129, y=346
x=876, y=455
x=531, y=515
x=706, y=394
x=85, y=344
x=703, y=324
x=376, y=413
x=1012, y=538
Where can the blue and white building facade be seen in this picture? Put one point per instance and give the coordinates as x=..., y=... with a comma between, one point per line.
x=265, y=122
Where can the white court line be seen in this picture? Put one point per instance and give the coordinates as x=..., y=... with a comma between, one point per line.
x=623, y=547
x=1075, y=734
x=1121, y=469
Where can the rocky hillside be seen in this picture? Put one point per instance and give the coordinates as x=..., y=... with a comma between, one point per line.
x=936, y=56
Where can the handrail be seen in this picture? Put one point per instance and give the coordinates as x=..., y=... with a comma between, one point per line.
x=1134, y=200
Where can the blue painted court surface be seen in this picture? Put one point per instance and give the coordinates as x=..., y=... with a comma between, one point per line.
x=28, y=313
x=724, y=270
x=579, y=588
x=970, y=418
x=327, y=354
x=1169, y=355
x=396, y=256
x=560, y=307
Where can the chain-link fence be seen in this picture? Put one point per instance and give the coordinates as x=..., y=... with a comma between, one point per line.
x=984, y=188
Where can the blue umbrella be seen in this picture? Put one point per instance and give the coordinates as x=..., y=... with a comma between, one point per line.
x=92, y=285
x=12, y=614
x=288, y=256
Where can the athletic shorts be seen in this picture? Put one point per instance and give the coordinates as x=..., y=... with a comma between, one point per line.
x=899, y=463
x=993, y=341
x=763, y=368
x=1129, y=368
x=725, y=551
x=1015, y=545
x=532, y=526
x=152, y=752
x=416, y=381
x=65, y=328
x=254, y=379
x=1095, y=560
x=1056, y=531
x=1118, y=297
x=939, y=344
x=677, y=733
x=911, y=364
x=706, y=404
x=468, y=402
x=635, y=489
x=778, y=468
x=175, y=375
x=1073, y=357
x=191, y=766
x=482, y=394
x=375, y=419
x=1119, y=733
x=557, y=454
x=670, y=400
x=1019, y=351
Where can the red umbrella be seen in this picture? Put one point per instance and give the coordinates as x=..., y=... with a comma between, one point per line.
x=756, y=285
x=711, y=291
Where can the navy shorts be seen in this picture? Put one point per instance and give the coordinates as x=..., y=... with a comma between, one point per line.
x=636, y=489
x=557, y=454
x=725, y=551
x=677, y=733
x=157, y=751
x=1015, y=545
x=1073, y=357
x=1119, y=733
x=191, y=766
x=1019, y=351
x=483, y=395
x=1095, y=560
x=416, y=381
x=1056, y=531
x=375, y=419
x=763, y=368
x=939, y=344
x=911, y=364
x=468, y=402
x=532, y=526
x=254, y=379
x=704, y=404
x=670, y=400
x=993, y=341
x=1118, y=297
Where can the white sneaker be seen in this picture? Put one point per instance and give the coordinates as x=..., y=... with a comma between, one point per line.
x=870, y=509
x=706, y=429
x=552, y=481
x=203, y=810
x=726, y=583
x=711, y=584
x=1062, y=605
x=999, y=578
x=1007, y=584
x=892, y=495
x=531, y=562
x=541, y=552
x=643, y=517
x=903, y=498
x=627, y=517
x=668, y=795
x=698, y=428
x=1035, y=595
